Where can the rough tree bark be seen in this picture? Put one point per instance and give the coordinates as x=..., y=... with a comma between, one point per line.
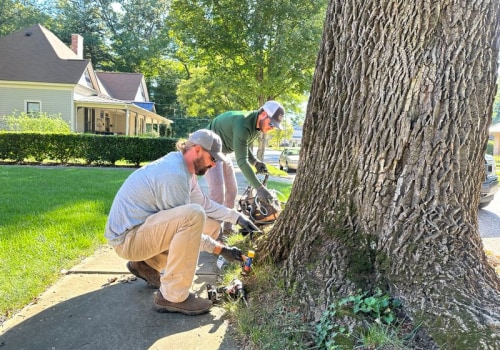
x=392, y=161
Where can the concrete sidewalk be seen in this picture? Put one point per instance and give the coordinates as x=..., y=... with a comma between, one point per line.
x=98, y=304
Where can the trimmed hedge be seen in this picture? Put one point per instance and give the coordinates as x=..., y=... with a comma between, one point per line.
x=94, y=149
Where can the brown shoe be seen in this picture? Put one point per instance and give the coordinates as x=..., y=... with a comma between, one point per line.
x=191, y=306
x=144, y=271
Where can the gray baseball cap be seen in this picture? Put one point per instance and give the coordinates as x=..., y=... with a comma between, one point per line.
x=210, y=141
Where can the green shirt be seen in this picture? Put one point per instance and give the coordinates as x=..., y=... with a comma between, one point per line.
x=238, y=130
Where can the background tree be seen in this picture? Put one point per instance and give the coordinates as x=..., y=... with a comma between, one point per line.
x=202, y=95
x=254, y=50
x=163, y=88
x=261, y=49
x=83, y=17
x=392, y=162
x=138, y=37
x=16, y=15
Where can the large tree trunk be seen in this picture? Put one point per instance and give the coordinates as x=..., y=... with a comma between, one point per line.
x=392, y=161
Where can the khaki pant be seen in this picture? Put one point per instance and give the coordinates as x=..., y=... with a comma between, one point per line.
x=222, y=185
x=170, y=240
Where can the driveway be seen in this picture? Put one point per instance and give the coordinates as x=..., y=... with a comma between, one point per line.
x=489, y=219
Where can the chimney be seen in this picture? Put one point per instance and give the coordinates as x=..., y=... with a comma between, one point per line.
x=77, y=45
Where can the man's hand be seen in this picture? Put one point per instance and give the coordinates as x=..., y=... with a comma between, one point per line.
x=247, y=225
x=261, y=167
x=231, y=254
x=263, y=193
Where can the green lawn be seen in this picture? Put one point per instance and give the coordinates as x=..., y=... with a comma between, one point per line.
x=51, y=217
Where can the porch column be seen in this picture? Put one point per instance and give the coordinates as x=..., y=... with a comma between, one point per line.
x=496, y=144
x=127, y=122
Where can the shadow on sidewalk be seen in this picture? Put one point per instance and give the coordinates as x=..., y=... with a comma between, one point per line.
x=119, y=316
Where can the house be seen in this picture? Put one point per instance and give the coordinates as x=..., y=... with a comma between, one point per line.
x=39, y=73
x=495, y=133
x=297, y=136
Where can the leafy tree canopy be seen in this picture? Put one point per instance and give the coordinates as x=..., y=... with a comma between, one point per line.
x=16, y=15
x=83, y=17
x=162, y=88
x=137, y=34
x=257, y=50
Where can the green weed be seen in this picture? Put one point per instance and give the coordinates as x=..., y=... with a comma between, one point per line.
x=378, y=311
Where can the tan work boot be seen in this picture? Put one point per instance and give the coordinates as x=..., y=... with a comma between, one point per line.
x=144, y=271
x=191, y=306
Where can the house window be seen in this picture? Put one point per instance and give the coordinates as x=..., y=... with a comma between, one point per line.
x=143, y=93
x=33, y=107
x=87, y=78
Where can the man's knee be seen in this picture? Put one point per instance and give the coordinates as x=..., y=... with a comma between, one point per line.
x=196, y=212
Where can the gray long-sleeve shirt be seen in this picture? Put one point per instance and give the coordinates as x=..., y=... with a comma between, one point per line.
x=161, y=185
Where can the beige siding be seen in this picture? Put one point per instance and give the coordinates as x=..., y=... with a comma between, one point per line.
x=53, y=101
x=496, y=143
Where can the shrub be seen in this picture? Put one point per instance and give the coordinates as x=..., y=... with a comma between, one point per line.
x=38, y=122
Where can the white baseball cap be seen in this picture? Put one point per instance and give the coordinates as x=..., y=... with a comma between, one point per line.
x=275, y=111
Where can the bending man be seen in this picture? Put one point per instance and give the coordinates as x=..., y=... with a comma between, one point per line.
x=238, y=131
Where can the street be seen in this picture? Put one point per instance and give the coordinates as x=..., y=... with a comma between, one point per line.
x=489, y=219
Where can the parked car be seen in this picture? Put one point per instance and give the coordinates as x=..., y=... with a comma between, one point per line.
x=289, y=159
x=490, y=184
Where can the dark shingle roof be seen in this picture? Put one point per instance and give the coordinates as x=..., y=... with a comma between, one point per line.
x=35, y=54
x=123, y=86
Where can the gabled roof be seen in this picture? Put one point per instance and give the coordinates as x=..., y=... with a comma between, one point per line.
x=35, y=54
x=123, y=86
x=99, y=98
